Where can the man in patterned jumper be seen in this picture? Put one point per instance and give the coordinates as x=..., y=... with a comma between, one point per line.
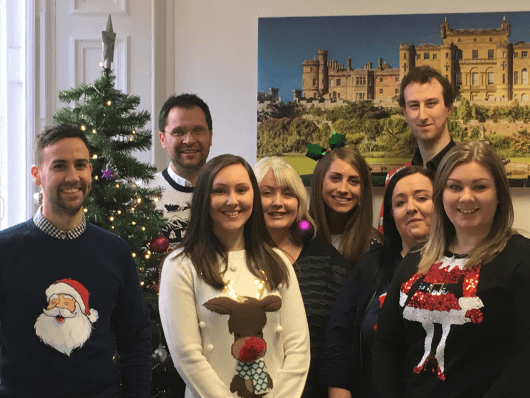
x=185, y=126
x=426, y=98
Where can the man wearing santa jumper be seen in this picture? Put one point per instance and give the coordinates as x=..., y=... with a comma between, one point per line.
x=69, y=292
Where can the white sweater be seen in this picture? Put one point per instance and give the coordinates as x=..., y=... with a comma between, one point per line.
x=200, y=343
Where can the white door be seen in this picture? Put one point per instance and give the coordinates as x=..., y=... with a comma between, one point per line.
x=74, y=49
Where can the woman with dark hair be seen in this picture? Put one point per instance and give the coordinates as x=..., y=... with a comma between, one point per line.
x=227, y=265
x=346, y=363
x=341, y=202
x=455, y=322
x=321, y=269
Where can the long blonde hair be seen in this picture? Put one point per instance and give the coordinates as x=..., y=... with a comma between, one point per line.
x=443, y=231
x=358, y=231
x=286, y=176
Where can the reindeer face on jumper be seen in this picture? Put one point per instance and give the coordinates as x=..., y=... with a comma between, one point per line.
x=246, y=323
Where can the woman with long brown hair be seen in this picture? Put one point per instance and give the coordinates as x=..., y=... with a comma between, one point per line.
x=341, y=202
x=230, y=305
x=346, y=363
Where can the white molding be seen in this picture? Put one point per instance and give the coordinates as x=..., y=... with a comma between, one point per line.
x=42, y=81
x=122, y=64
x=18, y=105
x=31, y=91
x=78, y=60
x=101, y=7
x=162, y=66
x=15, y=59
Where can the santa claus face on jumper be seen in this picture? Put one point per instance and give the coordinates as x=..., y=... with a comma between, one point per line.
x=66, y=324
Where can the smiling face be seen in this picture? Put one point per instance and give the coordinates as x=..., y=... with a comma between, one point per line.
x=280, y=205
x=231, y=202
x=341, y=189
x=412, y=208
x=470, y=199
x=187, y=139
x=426, y=112
x=65, y=174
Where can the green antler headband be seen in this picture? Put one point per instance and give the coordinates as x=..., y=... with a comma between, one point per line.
x=316, y=152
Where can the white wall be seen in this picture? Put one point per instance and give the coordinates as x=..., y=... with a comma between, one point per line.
x=216, y=57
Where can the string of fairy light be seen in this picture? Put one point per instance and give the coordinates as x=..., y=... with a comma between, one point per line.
x=131, y=208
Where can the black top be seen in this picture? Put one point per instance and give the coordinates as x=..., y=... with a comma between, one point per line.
x=347, y=361
x=321, y=273
x=432, y=164
x=479, y=325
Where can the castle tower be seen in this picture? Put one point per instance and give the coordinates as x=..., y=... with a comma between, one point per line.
x=407, y=59
x=323, y=71
x=273, y=92
x=444, y=28
x=297, y=94
x=505, y=26
x=310, y=80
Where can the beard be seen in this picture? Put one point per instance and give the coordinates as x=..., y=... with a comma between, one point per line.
x=72, y=332
x=62, y=206
x=178, y=159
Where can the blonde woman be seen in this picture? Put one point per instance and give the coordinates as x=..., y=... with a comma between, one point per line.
x=321, y=269
x=455, y=322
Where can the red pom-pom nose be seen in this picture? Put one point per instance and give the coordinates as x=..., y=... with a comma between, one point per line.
x=252, y=349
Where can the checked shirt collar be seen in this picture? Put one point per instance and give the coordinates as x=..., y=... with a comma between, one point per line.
x=48, y=228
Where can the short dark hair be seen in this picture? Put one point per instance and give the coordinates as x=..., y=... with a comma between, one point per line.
x=424, y=74
x=392, y=241
x=53, y=134
x=392, y=238
x=185, y=101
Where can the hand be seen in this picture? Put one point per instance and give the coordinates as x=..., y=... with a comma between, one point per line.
x=336, y=392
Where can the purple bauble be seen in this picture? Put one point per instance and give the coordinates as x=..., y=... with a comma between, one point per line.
x=305, y=230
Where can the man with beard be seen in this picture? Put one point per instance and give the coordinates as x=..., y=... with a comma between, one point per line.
x=185, y=126
x=54, y=262
x=66, y=323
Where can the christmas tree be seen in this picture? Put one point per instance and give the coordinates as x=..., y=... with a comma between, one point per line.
x=119, y=200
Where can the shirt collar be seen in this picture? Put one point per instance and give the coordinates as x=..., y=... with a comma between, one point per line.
x=48, y=228
x=178, y=179
x=435, y=161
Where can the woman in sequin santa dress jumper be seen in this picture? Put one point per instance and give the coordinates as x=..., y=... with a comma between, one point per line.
x=455, y=322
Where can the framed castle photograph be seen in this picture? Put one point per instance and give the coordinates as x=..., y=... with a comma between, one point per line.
x=317, y=75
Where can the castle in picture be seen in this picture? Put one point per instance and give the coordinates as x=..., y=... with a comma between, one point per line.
x=481, y=64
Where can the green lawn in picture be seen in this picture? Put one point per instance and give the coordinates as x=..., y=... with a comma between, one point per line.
x=305, y=165
x=523, y=160
x=387, y=160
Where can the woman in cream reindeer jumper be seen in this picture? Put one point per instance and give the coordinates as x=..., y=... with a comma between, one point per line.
x=230, y=305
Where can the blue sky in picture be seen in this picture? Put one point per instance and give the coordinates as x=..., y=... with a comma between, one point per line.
x=283, y=43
